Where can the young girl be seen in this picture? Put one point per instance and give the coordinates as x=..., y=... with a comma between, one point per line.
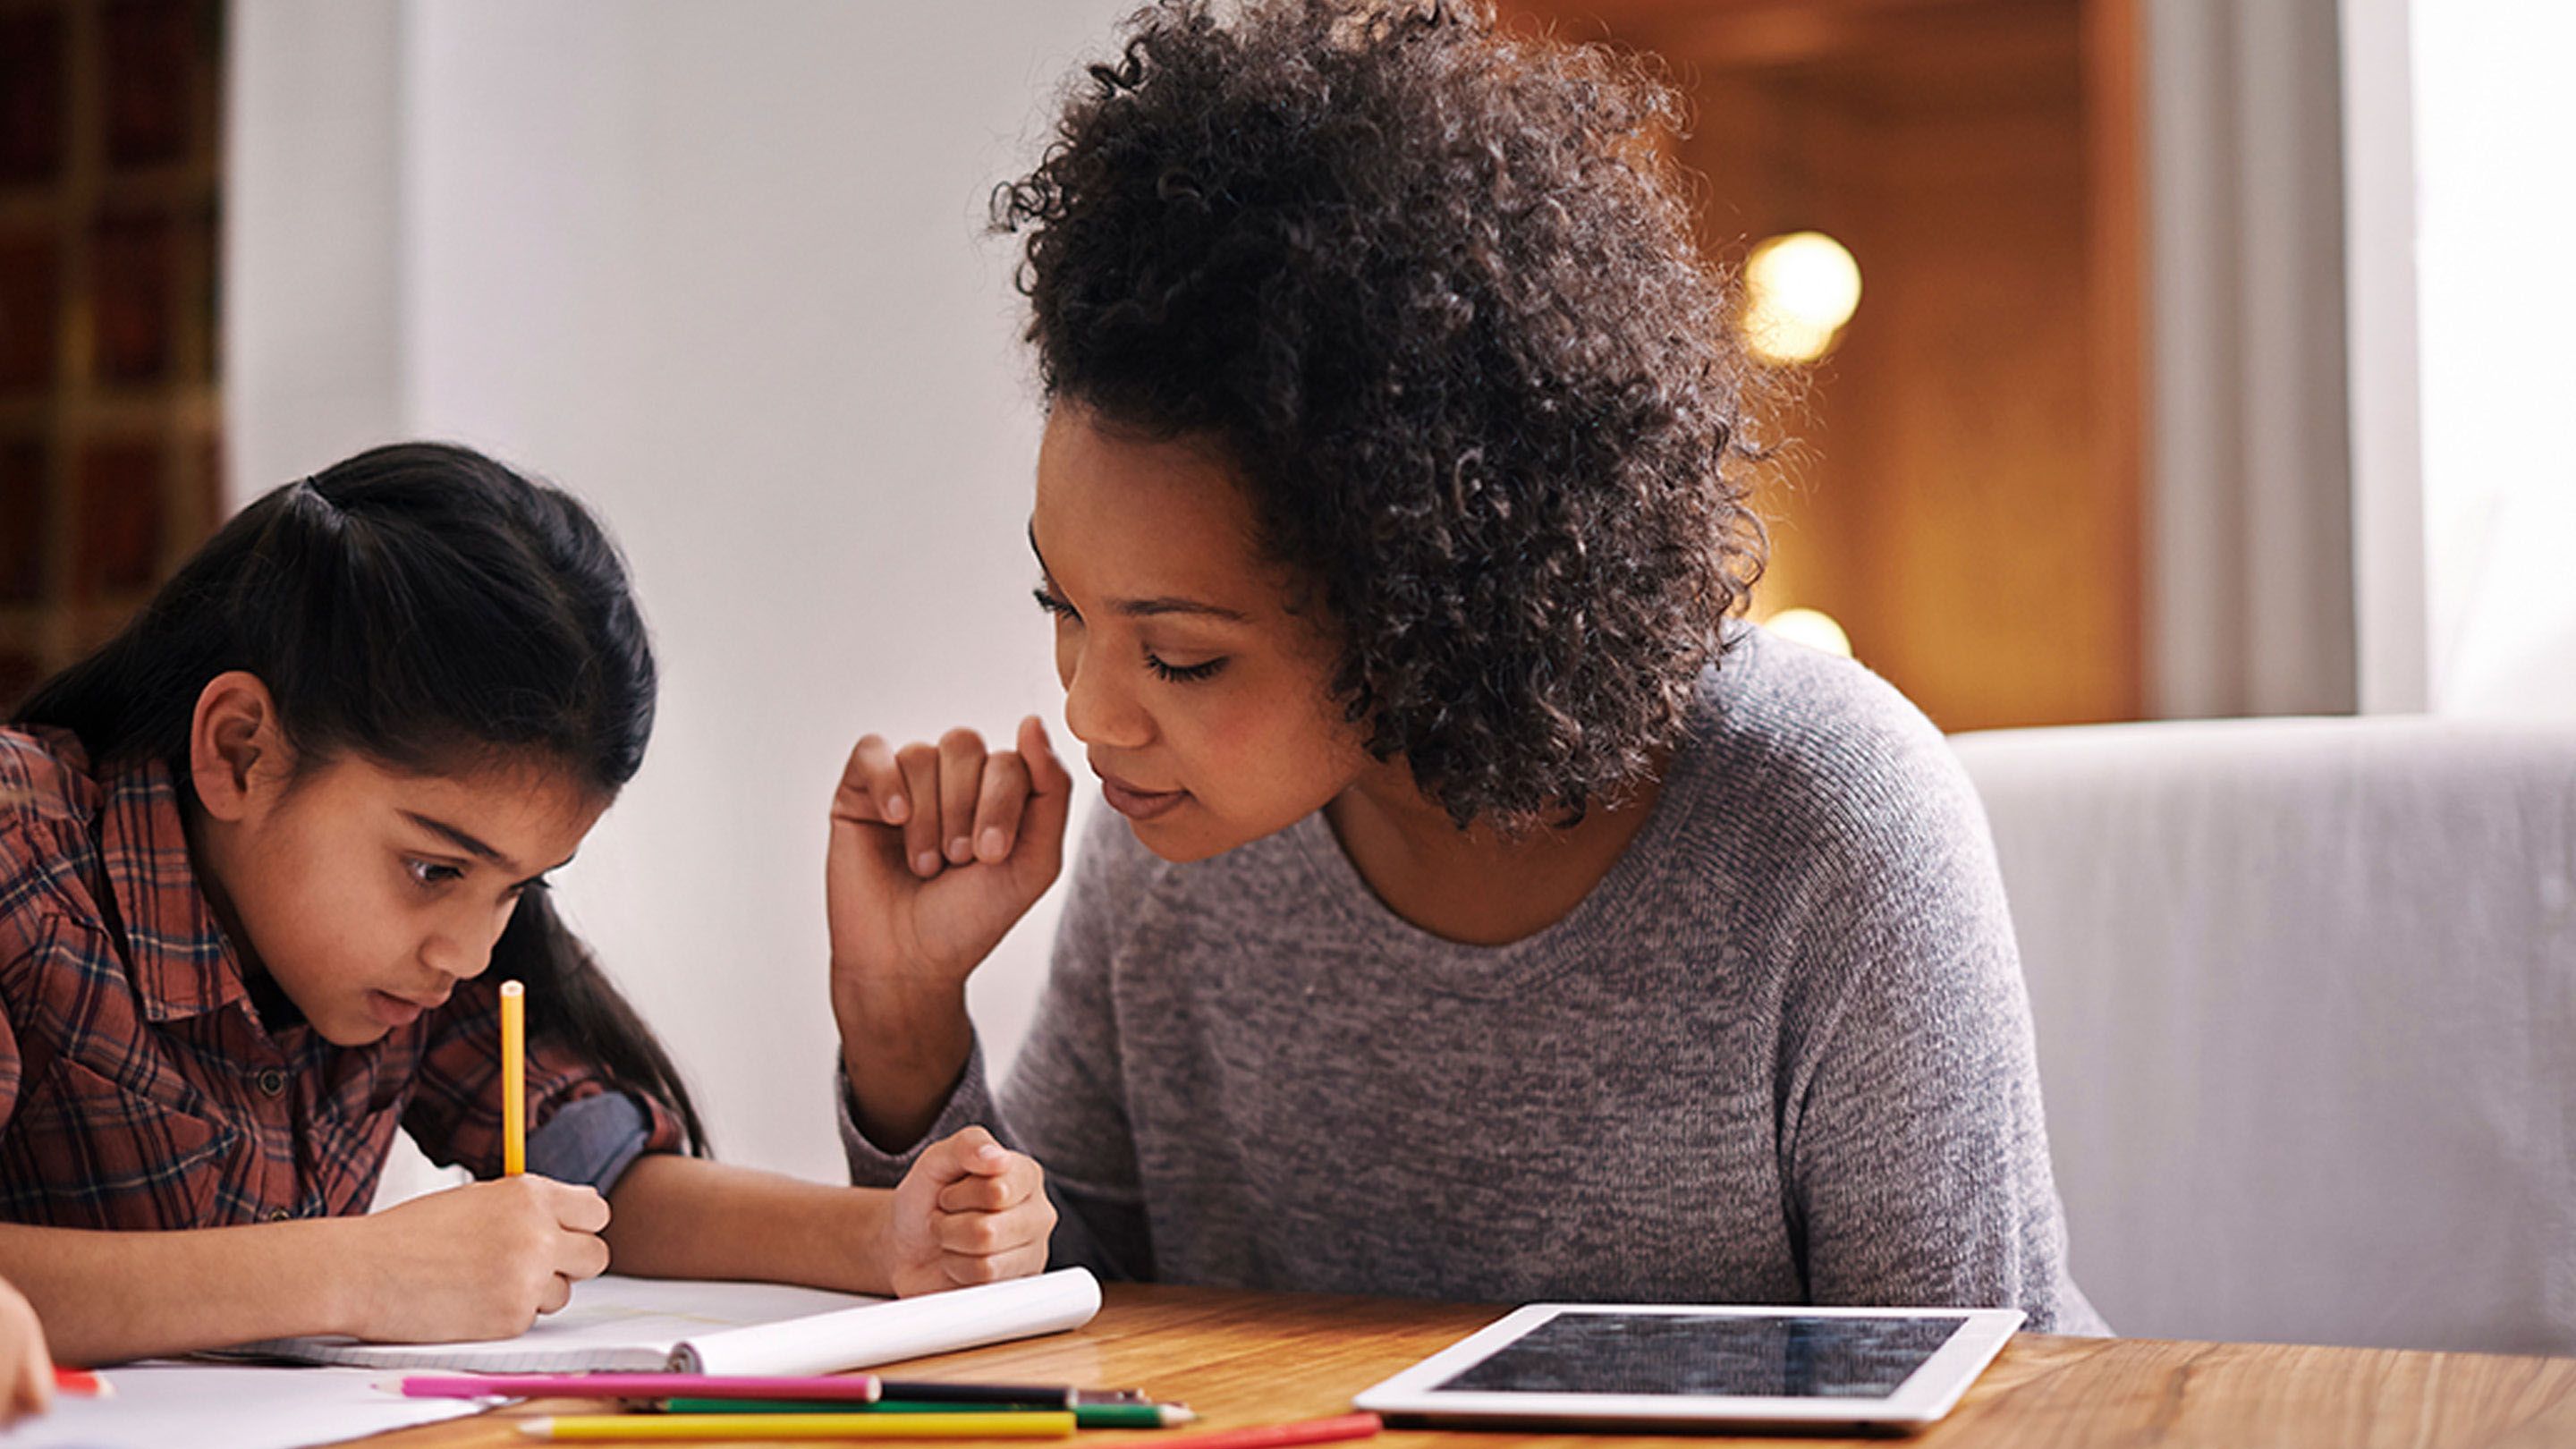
x=265, y=859
x=1480, y=912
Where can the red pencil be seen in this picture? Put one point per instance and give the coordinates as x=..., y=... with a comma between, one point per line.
x=81, y=1384
x=1272, y=1436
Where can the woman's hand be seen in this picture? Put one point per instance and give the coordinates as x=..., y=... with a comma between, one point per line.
x=970, y=1211
x=478, y=1261
x=936, y=852
x=26, y=1369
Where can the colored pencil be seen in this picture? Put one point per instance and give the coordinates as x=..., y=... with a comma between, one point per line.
x=834, y=1389
x=1056, y=1425
x=81, y=1384
x=1272, y=1436
x=1048, y=1396
x=1085, y=1416
x=514, y=1078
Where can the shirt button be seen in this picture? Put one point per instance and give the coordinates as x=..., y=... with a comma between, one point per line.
x=273, y=1082
x=279, y=1215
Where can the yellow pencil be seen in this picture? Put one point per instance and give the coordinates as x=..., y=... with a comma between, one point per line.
x=1057, y=1425
x=514, y=1078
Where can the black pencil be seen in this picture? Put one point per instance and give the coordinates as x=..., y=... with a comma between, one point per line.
x=1051, y=1396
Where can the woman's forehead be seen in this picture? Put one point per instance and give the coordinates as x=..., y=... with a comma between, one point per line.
x=1144, y=519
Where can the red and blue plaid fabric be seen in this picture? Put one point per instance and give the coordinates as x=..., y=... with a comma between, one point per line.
x=138, y=1085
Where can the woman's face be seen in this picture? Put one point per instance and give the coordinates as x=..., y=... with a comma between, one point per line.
x=1201, y=702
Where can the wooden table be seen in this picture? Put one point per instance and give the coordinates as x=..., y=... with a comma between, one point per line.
x=1257, y=1358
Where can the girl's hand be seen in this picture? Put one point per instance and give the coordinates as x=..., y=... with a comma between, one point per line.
x=970, y=1211
x=26, y=1369
x=478, y=1261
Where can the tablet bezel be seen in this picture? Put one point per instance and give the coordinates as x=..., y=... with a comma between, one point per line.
x=1928, y=1393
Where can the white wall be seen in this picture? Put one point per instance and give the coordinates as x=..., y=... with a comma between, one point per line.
x=2462, y=129
x=721, y=270
x=2495, y=144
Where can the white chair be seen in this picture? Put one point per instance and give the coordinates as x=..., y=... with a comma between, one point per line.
x=2305, y=994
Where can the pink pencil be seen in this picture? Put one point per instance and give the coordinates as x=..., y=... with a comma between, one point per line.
x=835, y=1389
x=1272, y=1436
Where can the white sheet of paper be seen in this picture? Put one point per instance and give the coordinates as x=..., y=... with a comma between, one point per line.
x=157, y=1405
x=647, y=1325
x=612, y=1323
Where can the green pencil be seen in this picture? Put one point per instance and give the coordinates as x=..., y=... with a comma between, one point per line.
x=1085, y=1416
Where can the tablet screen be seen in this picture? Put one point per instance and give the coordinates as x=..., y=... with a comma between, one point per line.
x=1710, y=1354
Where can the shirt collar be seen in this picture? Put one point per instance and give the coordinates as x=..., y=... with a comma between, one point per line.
x=179, y=958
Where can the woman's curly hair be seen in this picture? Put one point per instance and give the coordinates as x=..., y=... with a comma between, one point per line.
x=1433, y=292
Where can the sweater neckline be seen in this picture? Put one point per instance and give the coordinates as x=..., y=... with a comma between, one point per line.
x=1574, y=941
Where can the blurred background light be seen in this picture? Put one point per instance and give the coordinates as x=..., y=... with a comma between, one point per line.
x=1812, y=627
x=1799, y=290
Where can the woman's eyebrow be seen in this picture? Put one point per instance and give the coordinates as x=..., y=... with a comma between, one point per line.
x=1161, y=604
x=1148, y=608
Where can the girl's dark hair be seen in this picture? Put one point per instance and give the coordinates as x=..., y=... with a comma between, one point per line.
x=422, y=606
x=1433, y=292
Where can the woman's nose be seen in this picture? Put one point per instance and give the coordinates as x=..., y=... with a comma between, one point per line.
x=1099, y=713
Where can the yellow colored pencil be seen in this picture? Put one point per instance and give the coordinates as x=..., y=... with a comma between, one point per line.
x=514, y=1078
x=1058, y=1425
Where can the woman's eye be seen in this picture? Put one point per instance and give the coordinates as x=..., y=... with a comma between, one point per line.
x=1053, y=602
x=431, y=873
x=1184, y=673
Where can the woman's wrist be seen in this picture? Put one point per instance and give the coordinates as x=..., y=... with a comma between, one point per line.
x=887, y=1014
x=903, y=1052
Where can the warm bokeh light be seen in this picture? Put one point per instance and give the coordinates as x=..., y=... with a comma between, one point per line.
x=1799, y=290
x=1812, y=627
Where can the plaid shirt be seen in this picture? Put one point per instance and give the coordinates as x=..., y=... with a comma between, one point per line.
x=139, y=1087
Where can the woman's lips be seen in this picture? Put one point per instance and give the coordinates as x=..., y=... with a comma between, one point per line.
x=1138, y=804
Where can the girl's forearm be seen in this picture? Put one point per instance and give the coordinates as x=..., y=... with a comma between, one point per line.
x=105, y=1297
x=685, y=1217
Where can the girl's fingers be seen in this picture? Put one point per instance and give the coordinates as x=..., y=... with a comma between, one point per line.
x=962, y=1156
x=961, y=772
x=35, y=1389
x=997, y=808
x=977, y=1235
x=871, y=786
x=975, y=1194
x=966, y=1271
x=921, y=829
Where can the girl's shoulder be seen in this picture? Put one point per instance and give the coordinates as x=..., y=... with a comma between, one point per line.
x=49, y=810
x=44, y=775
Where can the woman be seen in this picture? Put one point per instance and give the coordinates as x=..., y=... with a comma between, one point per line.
x=1483, y=913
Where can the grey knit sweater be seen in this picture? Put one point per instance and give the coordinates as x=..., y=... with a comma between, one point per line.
x=1780, y=1054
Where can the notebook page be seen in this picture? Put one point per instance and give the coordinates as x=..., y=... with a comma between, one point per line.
x=612, y=1323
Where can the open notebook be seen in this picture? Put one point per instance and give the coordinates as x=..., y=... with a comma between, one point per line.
x=646, y=1325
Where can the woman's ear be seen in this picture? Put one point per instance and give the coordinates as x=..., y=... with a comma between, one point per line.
x=237, y=753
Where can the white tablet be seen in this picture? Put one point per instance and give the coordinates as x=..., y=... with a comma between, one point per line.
x=1679, y=1366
